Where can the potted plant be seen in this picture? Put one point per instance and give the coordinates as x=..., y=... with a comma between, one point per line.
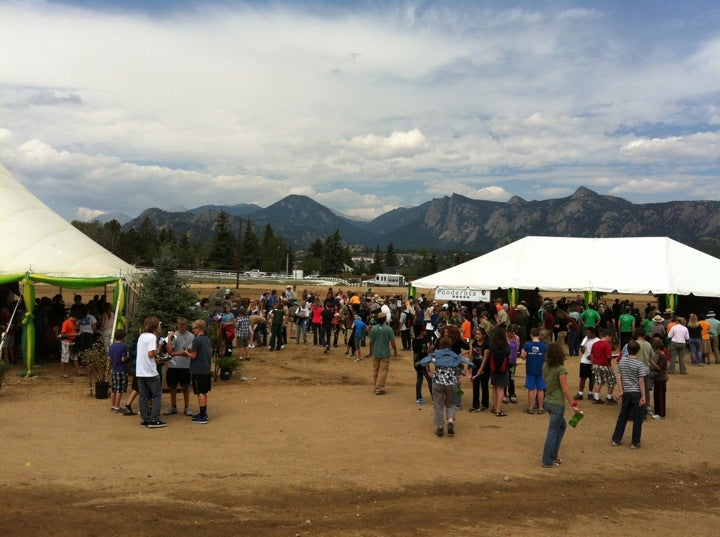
x=225, y=365
x=97, y=363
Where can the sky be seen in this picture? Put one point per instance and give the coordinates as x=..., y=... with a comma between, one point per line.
x=364, y=106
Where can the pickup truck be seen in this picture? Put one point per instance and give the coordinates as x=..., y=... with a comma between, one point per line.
x=254, y=273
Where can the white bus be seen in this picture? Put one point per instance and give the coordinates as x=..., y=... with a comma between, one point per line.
x=386, y=280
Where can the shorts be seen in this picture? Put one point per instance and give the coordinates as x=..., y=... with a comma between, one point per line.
x=585, y=371
x=534, y=382
x=200, y=383
x=177, y=375
x=242, y=342
x=604, y=376
x=67, y=351
x=119, y=382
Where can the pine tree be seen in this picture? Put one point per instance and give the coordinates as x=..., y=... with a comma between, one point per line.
x=333, y=259
x=164, y=294
x=252, y=257
x=391, y=259
x=222, y=245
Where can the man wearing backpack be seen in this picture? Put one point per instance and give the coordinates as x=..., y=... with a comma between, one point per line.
x=407, y=319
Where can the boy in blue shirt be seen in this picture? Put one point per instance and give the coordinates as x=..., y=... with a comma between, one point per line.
x=534, y=355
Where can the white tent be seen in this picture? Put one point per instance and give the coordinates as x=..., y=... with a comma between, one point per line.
x=641, y=265
x=38, y=246
x=35, y=239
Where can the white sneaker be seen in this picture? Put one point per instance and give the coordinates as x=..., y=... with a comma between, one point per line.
x=188, y=412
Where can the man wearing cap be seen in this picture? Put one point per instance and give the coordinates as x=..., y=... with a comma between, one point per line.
x=714, y=333
x=382, y=338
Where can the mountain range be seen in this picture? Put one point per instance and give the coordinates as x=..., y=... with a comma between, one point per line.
x=458, y=223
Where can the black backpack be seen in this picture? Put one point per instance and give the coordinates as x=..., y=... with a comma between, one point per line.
x=409, y=319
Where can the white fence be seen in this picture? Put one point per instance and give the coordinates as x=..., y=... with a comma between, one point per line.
x=225, y=276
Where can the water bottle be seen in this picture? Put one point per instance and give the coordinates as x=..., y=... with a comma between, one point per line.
x=575, y=419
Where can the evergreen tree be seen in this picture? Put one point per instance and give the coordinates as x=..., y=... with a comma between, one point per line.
x=391, y=259
x=377, y=262
x=185, y=252
x=147, y=245
x=222, y=244
x=112, y=230
x=333, y=259
x=164, y=294
x=317, y=248
x=252, y=257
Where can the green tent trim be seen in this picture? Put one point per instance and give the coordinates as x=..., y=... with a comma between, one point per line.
x=29, y=280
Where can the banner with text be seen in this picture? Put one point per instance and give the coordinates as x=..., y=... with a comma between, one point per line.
x=462, y=295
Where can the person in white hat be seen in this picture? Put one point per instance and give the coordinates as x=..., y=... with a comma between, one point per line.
x=714, y=333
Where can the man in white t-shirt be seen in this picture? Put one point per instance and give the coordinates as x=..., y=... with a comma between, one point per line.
x=146, y=371
x=586, y=363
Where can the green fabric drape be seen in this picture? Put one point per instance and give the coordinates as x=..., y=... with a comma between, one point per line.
x=671, y=302
x=512, y=297
x=29, y=280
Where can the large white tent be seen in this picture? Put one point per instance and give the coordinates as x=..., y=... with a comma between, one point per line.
x=638, y=265
x=38, y=246
x=35, y=239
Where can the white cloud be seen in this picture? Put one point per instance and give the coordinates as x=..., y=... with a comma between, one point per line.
x=644, y=186
x=397, y=144
x=241, y=102
x=84, y=214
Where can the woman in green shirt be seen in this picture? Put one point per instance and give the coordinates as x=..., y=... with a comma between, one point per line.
x=556, y=393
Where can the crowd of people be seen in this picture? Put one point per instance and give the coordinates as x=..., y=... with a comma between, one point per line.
x=454, y=346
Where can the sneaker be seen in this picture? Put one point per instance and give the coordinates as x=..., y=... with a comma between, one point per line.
x=156, y=424
x=473, y=410
x=529, y=411
x=551, y=465
x=128, y=411
x=612, y=401
x=541, y=411
x=200, y=419
x=614, y=444
x=590, y=396
x=251, y=346
x=656, y=416
x=598, y=402
x=144, y=423
x=170, y=411
x=187, y=411
x=634, y=446
x=357, y=359
x=440, y=431
x=115, y=409
x=513, y=399
x=506, y=399
x=484, y=409
x=420, y=401
x=451, y=429
x=578, y=397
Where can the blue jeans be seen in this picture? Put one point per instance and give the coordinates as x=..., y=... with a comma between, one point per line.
x=301, y=323
x=695, y=354
x=630, y=410
x=556, y=431
x=150, y=389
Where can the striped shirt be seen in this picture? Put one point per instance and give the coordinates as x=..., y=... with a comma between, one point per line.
x=630, y=370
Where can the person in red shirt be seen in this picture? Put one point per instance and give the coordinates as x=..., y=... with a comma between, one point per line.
x=603, y=373
x=68, y=333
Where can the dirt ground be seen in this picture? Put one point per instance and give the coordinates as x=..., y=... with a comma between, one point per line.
x=304, y=447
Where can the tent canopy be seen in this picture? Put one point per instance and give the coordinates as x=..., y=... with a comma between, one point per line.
x=641, y=265
x=37, y=240
x=38, y=246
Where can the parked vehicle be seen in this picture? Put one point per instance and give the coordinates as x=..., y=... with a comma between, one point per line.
x=386, y=280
